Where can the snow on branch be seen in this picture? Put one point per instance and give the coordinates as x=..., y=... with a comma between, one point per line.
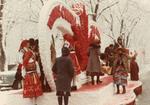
x=99, y=14
x=121, y=23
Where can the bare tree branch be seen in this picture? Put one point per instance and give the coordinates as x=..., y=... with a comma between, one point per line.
x=119, y=20
x=127, y=22
x=112, y=24
x=121, y=26
x=92, y=9
x=125, y=10
x=107, y=8
x=42, y=2
x=106, y=19
x=32, y=12
x=31, y=20
x=132, y=28
x=109, y=36
x=130, y=31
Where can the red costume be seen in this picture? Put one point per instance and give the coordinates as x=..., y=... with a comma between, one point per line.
x=75, y=62
x=18, y=76
x=21, y=49
x=32, y=84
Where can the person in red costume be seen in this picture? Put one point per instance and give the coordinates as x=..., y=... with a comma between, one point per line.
x=17, y=84
x=32, y=85
x=76, y=65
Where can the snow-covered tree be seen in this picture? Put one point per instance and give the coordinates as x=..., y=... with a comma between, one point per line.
x=121, y=20
x=20, y=21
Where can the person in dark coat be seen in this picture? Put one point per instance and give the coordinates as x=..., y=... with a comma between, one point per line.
x=134, y=69
x=63, y=72
x=109, y=52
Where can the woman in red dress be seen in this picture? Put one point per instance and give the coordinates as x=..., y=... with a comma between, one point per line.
x=32, y=85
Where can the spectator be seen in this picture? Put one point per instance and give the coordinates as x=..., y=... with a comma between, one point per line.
x=134, y=69
x=63, y=74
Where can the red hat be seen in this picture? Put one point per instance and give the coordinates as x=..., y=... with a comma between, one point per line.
x=23, y=44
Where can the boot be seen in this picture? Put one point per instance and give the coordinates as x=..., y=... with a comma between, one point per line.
x=98, y=81
x=60, y=100
x=124, y=89
x=118, y=90
x=66, y=99
x=34, y=101
x=92, y=78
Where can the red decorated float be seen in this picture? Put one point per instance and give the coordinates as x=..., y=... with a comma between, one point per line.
x=84, y=31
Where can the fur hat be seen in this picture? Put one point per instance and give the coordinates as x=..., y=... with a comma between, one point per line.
x=65, y=51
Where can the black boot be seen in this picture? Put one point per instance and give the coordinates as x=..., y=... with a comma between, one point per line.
x=118, y=90
x=98, y=80
x=124, y=89
x=92, y=78
x=60, y=100
x=66, y=99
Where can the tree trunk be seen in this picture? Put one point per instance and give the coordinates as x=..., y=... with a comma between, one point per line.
x=95, y=12
x=2, y=54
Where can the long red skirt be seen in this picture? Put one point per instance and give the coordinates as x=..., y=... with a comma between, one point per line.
x=32, y=86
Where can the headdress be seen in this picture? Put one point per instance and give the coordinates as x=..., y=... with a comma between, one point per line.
x=23, y=44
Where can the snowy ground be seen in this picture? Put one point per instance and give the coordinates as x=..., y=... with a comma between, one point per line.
x=96, y=95
x=15, y=97
x=144, y=99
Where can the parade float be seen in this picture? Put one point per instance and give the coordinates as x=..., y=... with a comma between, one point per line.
x=60, y=23
x=73, y=24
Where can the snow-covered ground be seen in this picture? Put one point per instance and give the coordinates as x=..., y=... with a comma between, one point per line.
x=14, y=97
x=144, y=99
x=96, y=95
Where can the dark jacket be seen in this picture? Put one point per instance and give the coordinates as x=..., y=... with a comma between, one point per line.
x=64, y=72
x=134, y=70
